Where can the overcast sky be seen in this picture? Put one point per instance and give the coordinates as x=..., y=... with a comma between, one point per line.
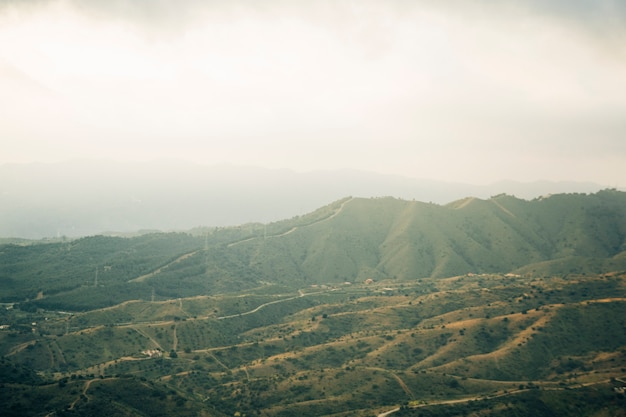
x=473, y=91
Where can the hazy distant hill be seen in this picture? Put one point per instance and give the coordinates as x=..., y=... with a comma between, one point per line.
x=350, y=240
x=390, y=238
x=83, y=198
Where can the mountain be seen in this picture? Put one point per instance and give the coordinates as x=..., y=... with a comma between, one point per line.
x=388, y=238
x=81, y=198
x=366, y=306
x=351, y=240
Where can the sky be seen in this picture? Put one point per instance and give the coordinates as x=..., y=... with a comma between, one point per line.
x=473, y=91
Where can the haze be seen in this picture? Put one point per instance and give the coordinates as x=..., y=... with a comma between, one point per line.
x=470, y=90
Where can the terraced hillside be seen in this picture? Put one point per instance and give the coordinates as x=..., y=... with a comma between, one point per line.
x=361, y=308
x=345, y=350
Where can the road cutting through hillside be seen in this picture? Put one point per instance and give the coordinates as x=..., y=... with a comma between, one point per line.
x=293, y=229
x=21, y=347
x=83, y=394
x=158, y=270
x=300, y=295
x=490, y=397
x=144, y=334
x=174, y=338
x=395, y=376
x=190, y=254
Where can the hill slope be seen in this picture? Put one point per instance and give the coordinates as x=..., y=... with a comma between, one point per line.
x=350, y=240
x=434, y=346
x=259, y=319
x=389, y=238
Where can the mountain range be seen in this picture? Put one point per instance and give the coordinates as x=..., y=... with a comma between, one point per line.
x=351, y=240
x=365, y=306
x=87, y=197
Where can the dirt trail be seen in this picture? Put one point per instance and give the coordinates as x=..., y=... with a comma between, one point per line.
x=141, y=332
x=21, y=347
x=169, y=377
x=85, y=389
x=399, y=380
x=219, y=362
x=504, y=209
x=52, y=344
x=51, y=355
x=604, y=300
x=502, y=394
x=175, y=338
x=83, y=394
x=97, y=368
x=245, y=313
x=187, y=255
x=406, y=389
x=293, y=229
x=158, y=271
x=180, y=307
x=387, y=413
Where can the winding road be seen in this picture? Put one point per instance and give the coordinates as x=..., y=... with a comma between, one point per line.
x=480, y=397
x=293, y=229
x=300, y=294
x=187, y=255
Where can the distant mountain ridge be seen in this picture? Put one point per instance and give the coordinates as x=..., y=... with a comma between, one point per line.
x=81, y=198
x=350, y=240
x=386, y=238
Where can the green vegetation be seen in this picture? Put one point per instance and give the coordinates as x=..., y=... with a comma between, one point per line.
x=350, y=240
x=600, y=400
x=511, y=342
x=506, y=307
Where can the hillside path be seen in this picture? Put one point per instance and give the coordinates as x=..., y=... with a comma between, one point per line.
x=478, y=397
x=144, y=334
x=21, y=347
x=404, y=386
x=399, y=380
x=85, y=389
x=187, y=255
x=300, y=294
x=293, y=229
x=158, y=270
x=174, y=338
x=386, y=413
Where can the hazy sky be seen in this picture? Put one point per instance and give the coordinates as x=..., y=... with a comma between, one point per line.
x=465, y=90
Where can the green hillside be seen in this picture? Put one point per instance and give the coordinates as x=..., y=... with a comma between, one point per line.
x=480, y=344
x=395, y=239
x=479, y=307
x=350, y=240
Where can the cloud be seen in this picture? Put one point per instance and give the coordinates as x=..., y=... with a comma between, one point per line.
x=319, y=84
